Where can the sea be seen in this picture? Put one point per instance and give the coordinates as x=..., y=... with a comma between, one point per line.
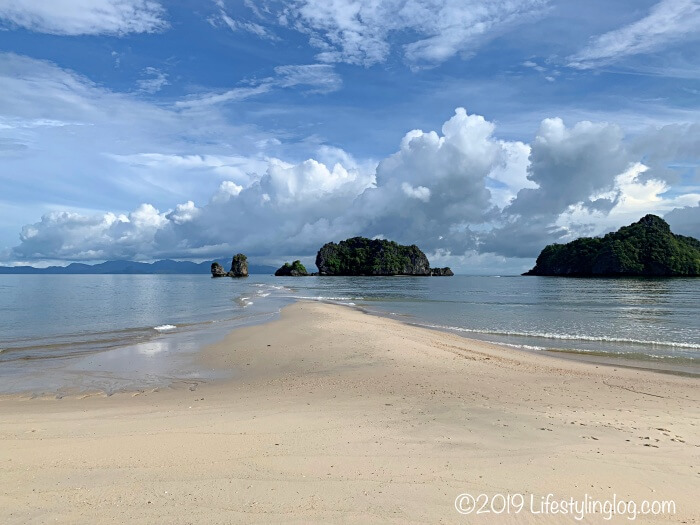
x=64, y=334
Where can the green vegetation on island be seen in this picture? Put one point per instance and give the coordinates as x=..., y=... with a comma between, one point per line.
x=645, y=248
x=356, y=256
x=362, y=256
x=296, y=269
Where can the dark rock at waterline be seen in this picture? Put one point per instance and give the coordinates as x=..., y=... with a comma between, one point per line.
x=239, y=267
x=217, y=270
x=442, y=272
x=296, y=269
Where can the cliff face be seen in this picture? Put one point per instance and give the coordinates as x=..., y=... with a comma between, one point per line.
x=361, y=256
x=645, y=248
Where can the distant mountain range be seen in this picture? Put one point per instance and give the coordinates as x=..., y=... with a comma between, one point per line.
x=129, y=267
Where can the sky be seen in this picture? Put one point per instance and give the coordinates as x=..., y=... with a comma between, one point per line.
x=479, y=130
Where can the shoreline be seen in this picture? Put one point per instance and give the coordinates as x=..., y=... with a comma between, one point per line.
x=203, y=338
x=602, y=358
x=332, y=414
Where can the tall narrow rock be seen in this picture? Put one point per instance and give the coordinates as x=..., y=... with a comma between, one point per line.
x=239, y=266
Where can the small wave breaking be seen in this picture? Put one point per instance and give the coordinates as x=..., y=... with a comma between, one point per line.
x=165, y=327
x=567, y=337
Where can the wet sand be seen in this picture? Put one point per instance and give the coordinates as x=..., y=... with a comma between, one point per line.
x=333, y=415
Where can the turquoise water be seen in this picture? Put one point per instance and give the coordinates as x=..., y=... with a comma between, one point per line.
x=122, y=331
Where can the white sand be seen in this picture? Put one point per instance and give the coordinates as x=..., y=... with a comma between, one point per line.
x=337, y=416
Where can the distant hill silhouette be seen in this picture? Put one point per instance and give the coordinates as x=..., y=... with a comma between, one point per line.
x=166, y=266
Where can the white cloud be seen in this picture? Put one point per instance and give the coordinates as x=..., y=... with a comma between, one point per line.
x=570, y=164
x=510, y=175
x=319, y=78
x=65, y=141
x=420, y=192
x=633, y=199
x=183, y=213
x=459, y=193
x=230, y=166
x=358, y=31
x=85, y=17
x=667, y=22
x=227, y=189
x=223, y=18
x=232, y=95
x=62, y=235
x=154, y=80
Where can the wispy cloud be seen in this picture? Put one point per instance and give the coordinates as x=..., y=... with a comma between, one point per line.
x=318, y=78
x=85, y=17
x=321, y=78
x=667, y=22
x=223, y=18
x=358, y=31
x=154, y=80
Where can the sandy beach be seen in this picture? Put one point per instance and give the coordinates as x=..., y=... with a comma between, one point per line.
x=336, y=416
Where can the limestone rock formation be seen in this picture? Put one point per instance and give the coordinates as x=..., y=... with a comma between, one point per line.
x=217, y=270
x=239, y=266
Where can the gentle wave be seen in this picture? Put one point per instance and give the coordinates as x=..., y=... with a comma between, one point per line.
x=521, y=347
x=325, y=298
x=165, y=327
x=567, y=337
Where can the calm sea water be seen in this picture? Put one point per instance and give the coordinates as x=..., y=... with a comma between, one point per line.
x=63, y=332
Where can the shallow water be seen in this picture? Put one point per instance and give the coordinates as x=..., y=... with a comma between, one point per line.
x=112, y=332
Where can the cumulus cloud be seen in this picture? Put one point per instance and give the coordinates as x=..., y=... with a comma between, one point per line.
x=85, y=17
x=589, y=181
x=668, y=21
x=227, y=189
x=67, y=235
x=461, y=193
x=358, y=31
x=568, y=165
x=420, y=192
x=633, y=198
x=184, y=213
x=428, y=192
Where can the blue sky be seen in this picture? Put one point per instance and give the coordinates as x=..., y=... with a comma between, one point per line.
x=479, y=130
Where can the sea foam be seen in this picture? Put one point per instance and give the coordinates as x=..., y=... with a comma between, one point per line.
x=165, y=327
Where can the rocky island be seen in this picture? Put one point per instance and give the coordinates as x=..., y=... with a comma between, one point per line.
x=362, y=256
x=239, y=267
x=646, y=248
x=296, y=269
x=355, y=256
